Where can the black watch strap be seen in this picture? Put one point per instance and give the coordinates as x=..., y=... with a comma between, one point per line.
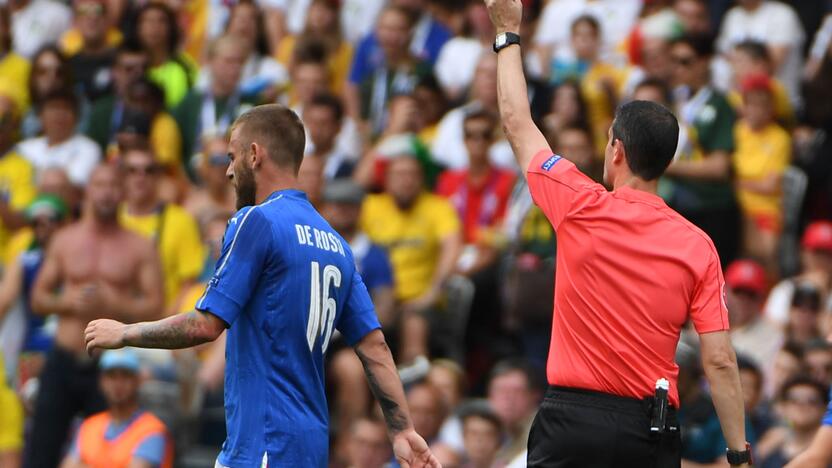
x=504, y=40
x=737, y=457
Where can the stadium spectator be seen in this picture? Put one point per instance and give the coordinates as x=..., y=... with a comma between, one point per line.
x=514, y=394
x=804, y=325
x=213, y=192
x=751, y=334
x=173, y=231
x=60, y=145
x=395, y=70
x=36, y=23
x=448, y=146
x=16, y=173
x=458, y=58
x=751, y=58
x=11, y=422
x=429, y=410
x=50, y=72
x=701, y=186
x=262, y=75
x=14, y=68
x=99, y=269
x=694, y=16
x=322, y=27
x=422, y=234
x=105, y=115
x=818, y=359
x=368, y=444
x=803, y=401
x=324, y=121
x=212, y=110
x=124, y=435
x=786, y=365
x=776, y=25
x=91, y=56
x=157, y=32
x=567, y=108
x=481, y=433
x=817, y=268
x=576, y=144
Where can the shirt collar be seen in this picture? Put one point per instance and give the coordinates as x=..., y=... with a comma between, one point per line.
x=287, y=193
x=631, y=194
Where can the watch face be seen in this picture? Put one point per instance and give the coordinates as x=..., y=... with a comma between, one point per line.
x=501, y=40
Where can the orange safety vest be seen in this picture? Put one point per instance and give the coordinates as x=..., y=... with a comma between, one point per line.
x=97, y=452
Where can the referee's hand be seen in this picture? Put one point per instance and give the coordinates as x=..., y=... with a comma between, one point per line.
x=412, y=451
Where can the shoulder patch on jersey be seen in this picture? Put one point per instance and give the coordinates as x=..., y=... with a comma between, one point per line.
x=547, y=165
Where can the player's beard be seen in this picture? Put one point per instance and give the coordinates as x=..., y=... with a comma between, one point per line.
x=245, y=187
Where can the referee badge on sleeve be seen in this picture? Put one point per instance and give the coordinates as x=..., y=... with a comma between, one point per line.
x=547, y=165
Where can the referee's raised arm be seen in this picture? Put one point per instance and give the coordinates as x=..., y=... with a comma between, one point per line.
x=525, y=138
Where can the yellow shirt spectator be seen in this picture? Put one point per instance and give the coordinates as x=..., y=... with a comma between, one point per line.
x=166, y=140
x=11, y=416
x=14, y=80
x=176, y=234
x=412, y=237
x=760, y=155
x=17, y=186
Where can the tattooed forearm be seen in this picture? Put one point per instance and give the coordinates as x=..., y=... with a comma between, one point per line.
x=395, y=417
x=176, y=332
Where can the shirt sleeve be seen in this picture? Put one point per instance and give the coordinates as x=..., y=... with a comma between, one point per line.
x=359, y=315
x=151, y=449
x=556, y=185
x=708, y=309
x=827, y=419
x=244, y=252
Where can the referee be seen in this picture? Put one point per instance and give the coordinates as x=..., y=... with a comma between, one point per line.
x=630, y=273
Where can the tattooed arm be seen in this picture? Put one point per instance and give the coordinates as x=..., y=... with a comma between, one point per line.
x=409, y=447
x=176, y=332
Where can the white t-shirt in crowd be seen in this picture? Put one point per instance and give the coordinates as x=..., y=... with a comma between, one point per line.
x=78, y=156
x=457, y=63
x=775, y=24
x=39, y=23
x=616, y=17
x=449, y=145
x=358, y=18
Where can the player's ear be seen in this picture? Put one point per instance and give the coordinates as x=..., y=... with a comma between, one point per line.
x=255, y=155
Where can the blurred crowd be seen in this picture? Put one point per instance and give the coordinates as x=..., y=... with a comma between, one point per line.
x=120, y=109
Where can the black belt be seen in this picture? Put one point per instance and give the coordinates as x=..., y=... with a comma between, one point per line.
x=617, y=403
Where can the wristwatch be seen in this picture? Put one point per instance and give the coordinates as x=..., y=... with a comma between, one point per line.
x=737, y=457
x=504, y=40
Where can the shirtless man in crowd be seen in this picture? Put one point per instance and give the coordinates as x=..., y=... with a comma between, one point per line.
x=93, y=269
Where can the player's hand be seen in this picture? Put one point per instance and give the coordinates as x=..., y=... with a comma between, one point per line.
x=104, y=334
x=505, y=14
x=412, y=451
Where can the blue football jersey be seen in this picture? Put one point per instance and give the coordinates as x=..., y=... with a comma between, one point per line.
x=284, y=282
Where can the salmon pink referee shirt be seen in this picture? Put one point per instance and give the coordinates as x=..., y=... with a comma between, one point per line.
x=630, y=273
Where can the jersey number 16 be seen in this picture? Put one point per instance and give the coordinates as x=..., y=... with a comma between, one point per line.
x=322, y=308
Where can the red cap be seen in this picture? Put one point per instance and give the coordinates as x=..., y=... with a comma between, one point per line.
x=756, y=82
x=818, y=236
x=746, y=274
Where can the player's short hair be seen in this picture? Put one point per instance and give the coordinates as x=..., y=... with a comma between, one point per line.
x=649, y=133
x=278, y=129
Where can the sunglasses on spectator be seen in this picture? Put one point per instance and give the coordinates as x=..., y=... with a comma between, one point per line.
x=684, y=61
x=815, y=401
x=150, y=169
x=478, y=135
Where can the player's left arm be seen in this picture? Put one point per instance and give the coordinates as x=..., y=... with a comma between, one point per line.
x=410, y=448
x=176, y=332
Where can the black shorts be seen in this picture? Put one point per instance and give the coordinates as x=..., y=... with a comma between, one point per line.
x=586, y=429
